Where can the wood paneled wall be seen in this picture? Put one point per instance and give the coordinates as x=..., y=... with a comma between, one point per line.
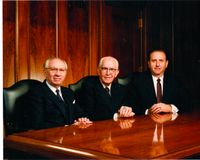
x=81, y=32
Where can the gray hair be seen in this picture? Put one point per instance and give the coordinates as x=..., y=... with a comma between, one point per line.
x=46, y=63
x=110, y=58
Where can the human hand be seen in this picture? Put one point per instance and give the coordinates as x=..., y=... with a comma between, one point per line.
x=125, y=111
x=160, y=107
x=126, y=123
x=83, y=122
x=161, y=118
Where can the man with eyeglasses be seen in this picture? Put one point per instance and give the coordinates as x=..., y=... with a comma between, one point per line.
x=100, y=96
x=50, y=104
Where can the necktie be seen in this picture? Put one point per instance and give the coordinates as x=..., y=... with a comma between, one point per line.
x=58, y=94
x=159, y=91
x=158, y=135
x=107, y=90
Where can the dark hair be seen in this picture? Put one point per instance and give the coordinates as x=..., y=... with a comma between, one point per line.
x=153, y=50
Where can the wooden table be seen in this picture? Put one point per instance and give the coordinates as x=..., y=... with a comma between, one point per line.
x=139, y=137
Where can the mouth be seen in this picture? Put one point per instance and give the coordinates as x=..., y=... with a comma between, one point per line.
x=57, y=79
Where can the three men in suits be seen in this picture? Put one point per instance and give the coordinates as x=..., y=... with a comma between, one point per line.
x=100, y=96
x=50, y=104
x=142, y=93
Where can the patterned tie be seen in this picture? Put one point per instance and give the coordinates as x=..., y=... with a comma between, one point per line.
x=107, y=90
x=58, y=94
x=159, y=91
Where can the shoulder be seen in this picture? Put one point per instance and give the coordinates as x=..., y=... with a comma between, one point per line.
x=66, y=90
x=174, y=79
x=143, y=76
x=39, y=89
x=116, y=85
x=91, y=81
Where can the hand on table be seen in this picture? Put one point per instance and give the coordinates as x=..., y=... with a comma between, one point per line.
x=160, y=107
x=125, y=111
x=83, y=122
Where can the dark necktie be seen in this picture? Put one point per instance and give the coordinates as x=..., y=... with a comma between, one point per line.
x=159, y=91
x=58, y=94
x=107, y=90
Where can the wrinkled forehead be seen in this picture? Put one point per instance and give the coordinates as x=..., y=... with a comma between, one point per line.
x=110, y=62
x=57, y=63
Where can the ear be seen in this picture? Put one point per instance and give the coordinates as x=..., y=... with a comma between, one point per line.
x=167, y=63
x=148, y=64
x=117, y=72
x=98, y=71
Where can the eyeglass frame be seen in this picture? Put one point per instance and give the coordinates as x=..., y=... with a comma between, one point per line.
x=52, y=69
x=104, y=69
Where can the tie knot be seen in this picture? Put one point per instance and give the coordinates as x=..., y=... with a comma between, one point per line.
x=57, y=91
x=107, y=89
x=158, y=80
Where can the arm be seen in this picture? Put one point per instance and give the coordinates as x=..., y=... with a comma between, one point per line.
x=34, y=113
x=86, y=99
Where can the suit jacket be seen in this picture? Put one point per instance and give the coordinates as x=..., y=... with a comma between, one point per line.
x=141, y=93
x=44, y=109
x=96, y=102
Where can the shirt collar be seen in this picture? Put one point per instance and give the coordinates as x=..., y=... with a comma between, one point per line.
x=155, y=78
x=104, y=86
x=52, y=87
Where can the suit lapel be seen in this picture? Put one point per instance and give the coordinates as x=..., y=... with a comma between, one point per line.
x=68, y=103
x=150, y=87
x=116, y=95
x=52, y=97
x=166, y=87
x=104, y=95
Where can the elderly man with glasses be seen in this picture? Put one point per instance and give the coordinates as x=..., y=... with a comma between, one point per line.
x=101, y=97
x=50, y=104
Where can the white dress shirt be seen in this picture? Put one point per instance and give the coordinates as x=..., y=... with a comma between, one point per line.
x=174, y=108
x=53, y=89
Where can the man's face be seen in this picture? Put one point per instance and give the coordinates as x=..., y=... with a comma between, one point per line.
x=108, y=71
x=157, y=63
x=56, y=72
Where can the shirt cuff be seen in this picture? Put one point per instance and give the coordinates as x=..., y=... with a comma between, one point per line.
x=174, y=108
x=174, y=116
x=146, y=112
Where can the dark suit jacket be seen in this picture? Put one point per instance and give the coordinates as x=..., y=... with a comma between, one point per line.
x=141, y=93
x=96, y=102
x=44, y=109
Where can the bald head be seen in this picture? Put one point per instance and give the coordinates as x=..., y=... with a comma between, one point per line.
x=111, y=59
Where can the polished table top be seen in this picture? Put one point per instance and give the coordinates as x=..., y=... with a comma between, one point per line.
x=155, y=136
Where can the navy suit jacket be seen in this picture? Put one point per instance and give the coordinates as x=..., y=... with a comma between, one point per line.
x=96, y=102
x=141, y=93
x=45, y=110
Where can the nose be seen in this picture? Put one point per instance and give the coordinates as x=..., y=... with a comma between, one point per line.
x=108, y=71
x=58, y=72
x=157, y=63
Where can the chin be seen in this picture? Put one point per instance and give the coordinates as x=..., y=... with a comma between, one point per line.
x=106, y=82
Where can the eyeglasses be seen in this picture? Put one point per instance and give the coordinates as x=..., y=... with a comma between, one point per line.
x=104, y=69
x=62, y=70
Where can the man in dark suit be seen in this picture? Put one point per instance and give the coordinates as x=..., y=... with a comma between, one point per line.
x=100, y=96
x=143, y=95
x=50, y=104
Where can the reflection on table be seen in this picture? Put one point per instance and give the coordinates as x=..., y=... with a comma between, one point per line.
x=158, y=146
x=153, y=136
